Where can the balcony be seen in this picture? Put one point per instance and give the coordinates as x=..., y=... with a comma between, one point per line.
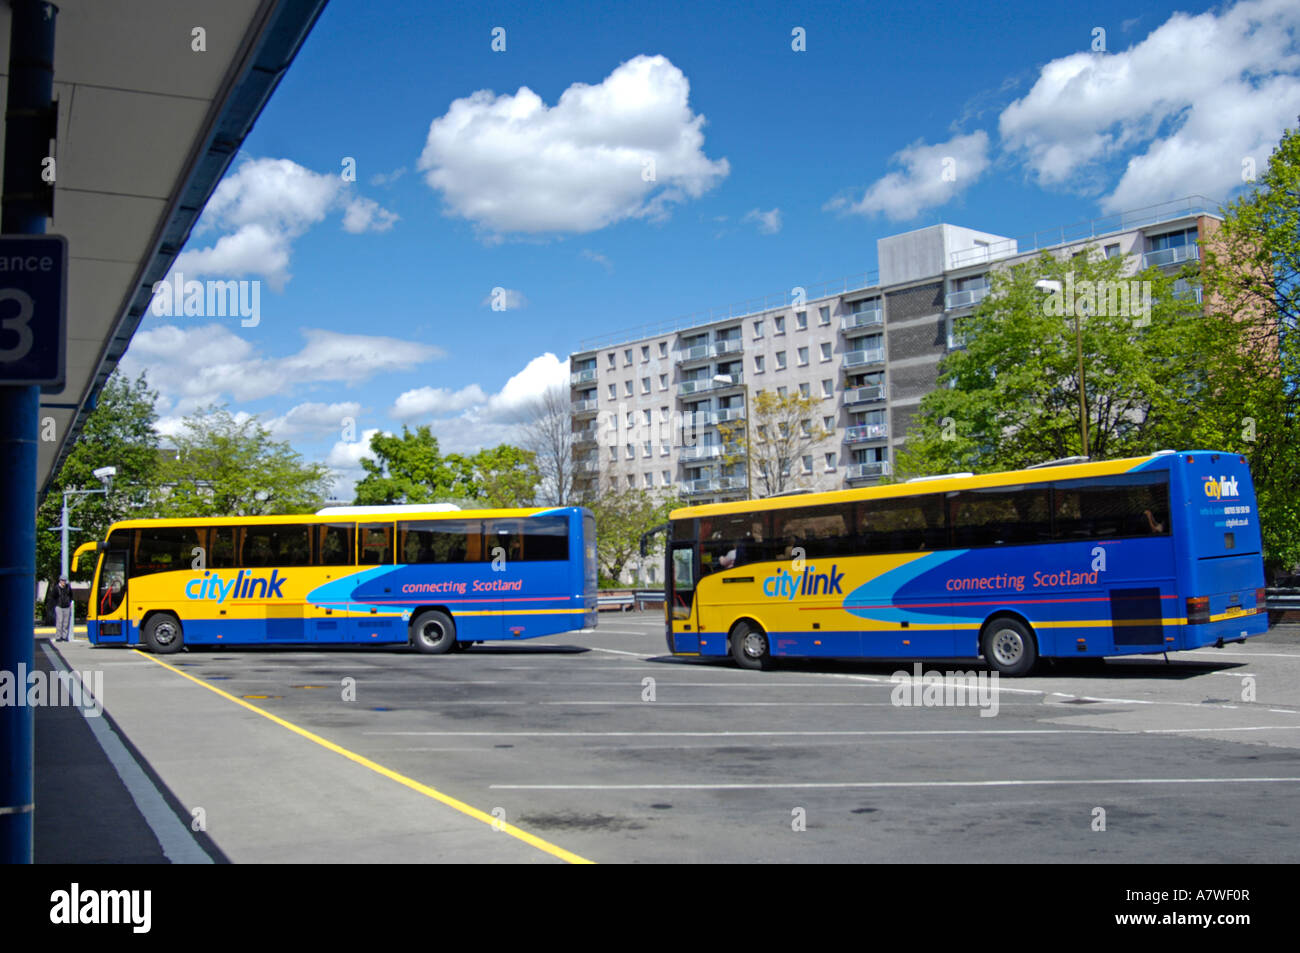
x=701, y=385
x=588, y=466
x=578, y=378
x=728, y=414
x=728, y=346
x=867, y=471
x=865, y=432
x=869, y=394
x=697, y=352
x=1171, y=256
x=872, y=318
x=709, y=451
x=704, y=485
x=731, y=483
x=587, y=406
x=965, y=299
x=584, y=437
x=871, y=355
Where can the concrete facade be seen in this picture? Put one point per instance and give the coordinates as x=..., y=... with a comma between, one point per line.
x=646, y=408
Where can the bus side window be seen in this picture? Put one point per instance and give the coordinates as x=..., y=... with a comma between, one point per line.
x=376, y=545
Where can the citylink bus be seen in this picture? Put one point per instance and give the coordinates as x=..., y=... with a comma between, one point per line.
x=437, y=579
x=1069, y=560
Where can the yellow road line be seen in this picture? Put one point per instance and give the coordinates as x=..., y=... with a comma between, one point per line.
x=466, y=809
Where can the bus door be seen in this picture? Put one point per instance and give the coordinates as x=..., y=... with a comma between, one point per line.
x=682, y=576
x=374, y=607
x=109, y=622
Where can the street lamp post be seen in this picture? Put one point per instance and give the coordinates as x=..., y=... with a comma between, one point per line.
x=1050, y=286
x=105, y=476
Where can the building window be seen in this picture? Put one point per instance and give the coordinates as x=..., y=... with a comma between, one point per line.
x=758, y=329
x=631, y=482
x=611, y=358
x=805, y=428
x=645, y=385
x=781, y=391
x=630, y=417
x=613, y=453
x=780, y=360
x=824, y=315
x=645, y=415
x=803, y=357
x=807, y=463
x=826, y=350
x=645, y=449
x=801, y=320
x=627, y=388
x=1112, y=251
x=828, y=387
x=663, y=348
x=828, y=423
x=645, y=353
x=663, y=414
x=627, y=357
x=613, y=391
x=830, y=462
x=803, y=389
x=758, y=364
x=663, y=381
x=779, y=321
x=649, y=480
x=666, y=476
x=630, y=453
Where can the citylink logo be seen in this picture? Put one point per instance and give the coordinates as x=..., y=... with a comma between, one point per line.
x=1221, y=488
x=241, y=586
x=786, y=585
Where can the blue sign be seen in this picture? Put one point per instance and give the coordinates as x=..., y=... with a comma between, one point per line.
x=33, y=309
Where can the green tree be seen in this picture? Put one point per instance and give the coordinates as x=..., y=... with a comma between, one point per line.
x=1010, y=396
x=503, y=476
x=622, y=516
x=119, y=432
x=411, y=469
x=777, y=434
x=224, y=466
x=1251, y=405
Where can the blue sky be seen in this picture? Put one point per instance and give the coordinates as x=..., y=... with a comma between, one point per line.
x=772, y=168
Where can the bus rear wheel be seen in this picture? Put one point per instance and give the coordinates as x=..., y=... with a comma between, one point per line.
x=433, y=632
x=162, y=633
x=749, y=646
x=1009, y=648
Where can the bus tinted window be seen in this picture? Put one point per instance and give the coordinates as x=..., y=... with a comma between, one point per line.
x=335, y=544
x=1003, y=516
x=901, y=525
x=278, y=545
x=376, y=546
x=221, y=547
x=537, y=539
x=1136, y=505
x=440, y=541
x=817, y=530
x=163, y=549
x=735, y=540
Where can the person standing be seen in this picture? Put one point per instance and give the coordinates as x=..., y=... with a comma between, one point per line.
x=61, y=597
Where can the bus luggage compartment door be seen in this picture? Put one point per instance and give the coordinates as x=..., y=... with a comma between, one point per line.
x=1136, y=617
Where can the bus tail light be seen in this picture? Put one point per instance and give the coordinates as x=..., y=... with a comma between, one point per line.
x=1198, y=610
x=1260, y=598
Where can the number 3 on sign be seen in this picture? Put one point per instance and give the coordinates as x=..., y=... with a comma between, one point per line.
x=19, y=323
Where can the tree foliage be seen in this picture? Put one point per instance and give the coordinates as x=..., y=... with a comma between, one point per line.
x=622, y=516
x=1251, y=274
x=227, y=466
x=1010, y=397
x=119, y=432
x=777, y=434
x=411, y=468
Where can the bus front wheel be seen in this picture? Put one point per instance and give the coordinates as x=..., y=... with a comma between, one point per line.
x=162, y=633
x=433, y=632
x=1008, y=646
x=749, y=646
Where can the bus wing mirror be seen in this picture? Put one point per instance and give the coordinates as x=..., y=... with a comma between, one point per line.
x=650, y=534
x=85, y=548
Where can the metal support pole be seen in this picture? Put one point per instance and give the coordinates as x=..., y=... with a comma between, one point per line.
x=1083, y=403
x=31, y=87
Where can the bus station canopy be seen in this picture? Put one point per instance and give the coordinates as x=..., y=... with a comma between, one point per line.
x=147, y=125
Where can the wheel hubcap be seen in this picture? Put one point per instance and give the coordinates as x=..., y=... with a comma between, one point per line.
x=164, y=634
x=754, y=645
x=432, y=633
x=1007, y=647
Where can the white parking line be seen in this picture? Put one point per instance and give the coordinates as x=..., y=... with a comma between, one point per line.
x=839, y=785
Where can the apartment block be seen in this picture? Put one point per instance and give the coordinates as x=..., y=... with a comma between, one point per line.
x=647, y=403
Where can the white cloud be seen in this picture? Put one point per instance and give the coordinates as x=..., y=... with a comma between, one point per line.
x=523, y=389
x=599, y=259
x=623, y=148
x=346, y=455
x=769, y=223
x=194, y=367
x=313, y=418
x=388, y=178
x=1185, y=105
x=263, y=207
x=427, y=401
x=932, y=175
